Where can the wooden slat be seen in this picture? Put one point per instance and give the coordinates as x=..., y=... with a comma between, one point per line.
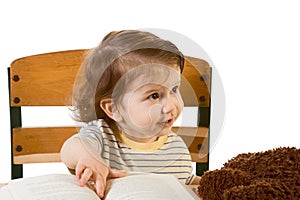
x=48, y=79
x=196, y=139
x=45, y=79
x=37, y=158
x=195, y=86
x=43, y=144
x=191, y=131
x=40, y=140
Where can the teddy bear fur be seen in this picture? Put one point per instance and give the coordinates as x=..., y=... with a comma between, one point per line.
x=272, y=174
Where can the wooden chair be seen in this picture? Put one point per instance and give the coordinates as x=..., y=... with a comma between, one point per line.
x=47, y=80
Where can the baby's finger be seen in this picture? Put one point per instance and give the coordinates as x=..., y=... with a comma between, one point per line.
x=116, y=173
x=100, y=185
x=79, y=170
x=86, y=175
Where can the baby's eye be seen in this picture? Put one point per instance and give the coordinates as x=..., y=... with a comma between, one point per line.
x=154, y=96
x=175, y=89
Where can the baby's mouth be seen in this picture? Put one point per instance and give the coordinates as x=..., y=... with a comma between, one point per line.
x=168, y=122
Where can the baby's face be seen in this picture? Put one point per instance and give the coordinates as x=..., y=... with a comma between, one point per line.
x=151, y=103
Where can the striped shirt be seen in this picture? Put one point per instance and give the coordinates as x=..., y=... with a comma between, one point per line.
x=172, y=157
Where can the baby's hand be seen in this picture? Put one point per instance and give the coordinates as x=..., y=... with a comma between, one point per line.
x=98, y=174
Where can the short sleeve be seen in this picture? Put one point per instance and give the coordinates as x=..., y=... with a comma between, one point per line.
x=91, y=138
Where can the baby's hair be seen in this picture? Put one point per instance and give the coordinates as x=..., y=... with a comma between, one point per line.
x=105, y=64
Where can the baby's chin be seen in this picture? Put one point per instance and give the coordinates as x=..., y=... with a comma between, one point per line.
x=164, y=131
x=146, y=133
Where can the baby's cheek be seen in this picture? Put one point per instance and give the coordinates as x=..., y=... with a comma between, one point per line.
x=155, y=112
x=138, y=117
x=147, y=118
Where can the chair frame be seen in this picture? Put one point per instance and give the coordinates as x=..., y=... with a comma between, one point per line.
x=203, y=104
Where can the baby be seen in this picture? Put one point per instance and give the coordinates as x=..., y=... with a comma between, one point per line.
x=128, y=94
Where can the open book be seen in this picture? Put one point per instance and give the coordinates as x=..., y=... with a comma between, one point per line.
x=141, y=186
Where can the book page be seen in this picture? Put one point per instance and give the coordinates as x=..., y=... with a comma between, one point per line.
x=5, y=194
x=49, y=187
x=147, y=187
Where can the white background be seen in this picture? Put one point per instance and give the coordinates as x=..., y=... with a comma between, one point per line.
x=254, y=45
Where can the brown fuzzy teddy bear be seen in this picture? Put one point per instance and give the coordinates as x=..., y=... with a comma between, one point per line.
x=273, y=174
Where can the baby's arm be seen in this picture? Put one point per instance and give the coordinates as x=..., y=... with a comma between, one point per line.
x=87, y=166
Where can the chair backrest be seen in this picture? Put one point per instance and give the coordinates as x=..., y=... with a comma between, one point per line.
x=47, y=80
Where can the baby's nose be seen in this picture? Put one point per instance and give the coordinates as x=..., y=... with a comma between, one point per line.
x=168, y=105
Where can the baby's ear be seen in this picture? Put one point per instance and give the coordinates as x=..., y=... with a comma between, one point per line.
x=110, y=109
